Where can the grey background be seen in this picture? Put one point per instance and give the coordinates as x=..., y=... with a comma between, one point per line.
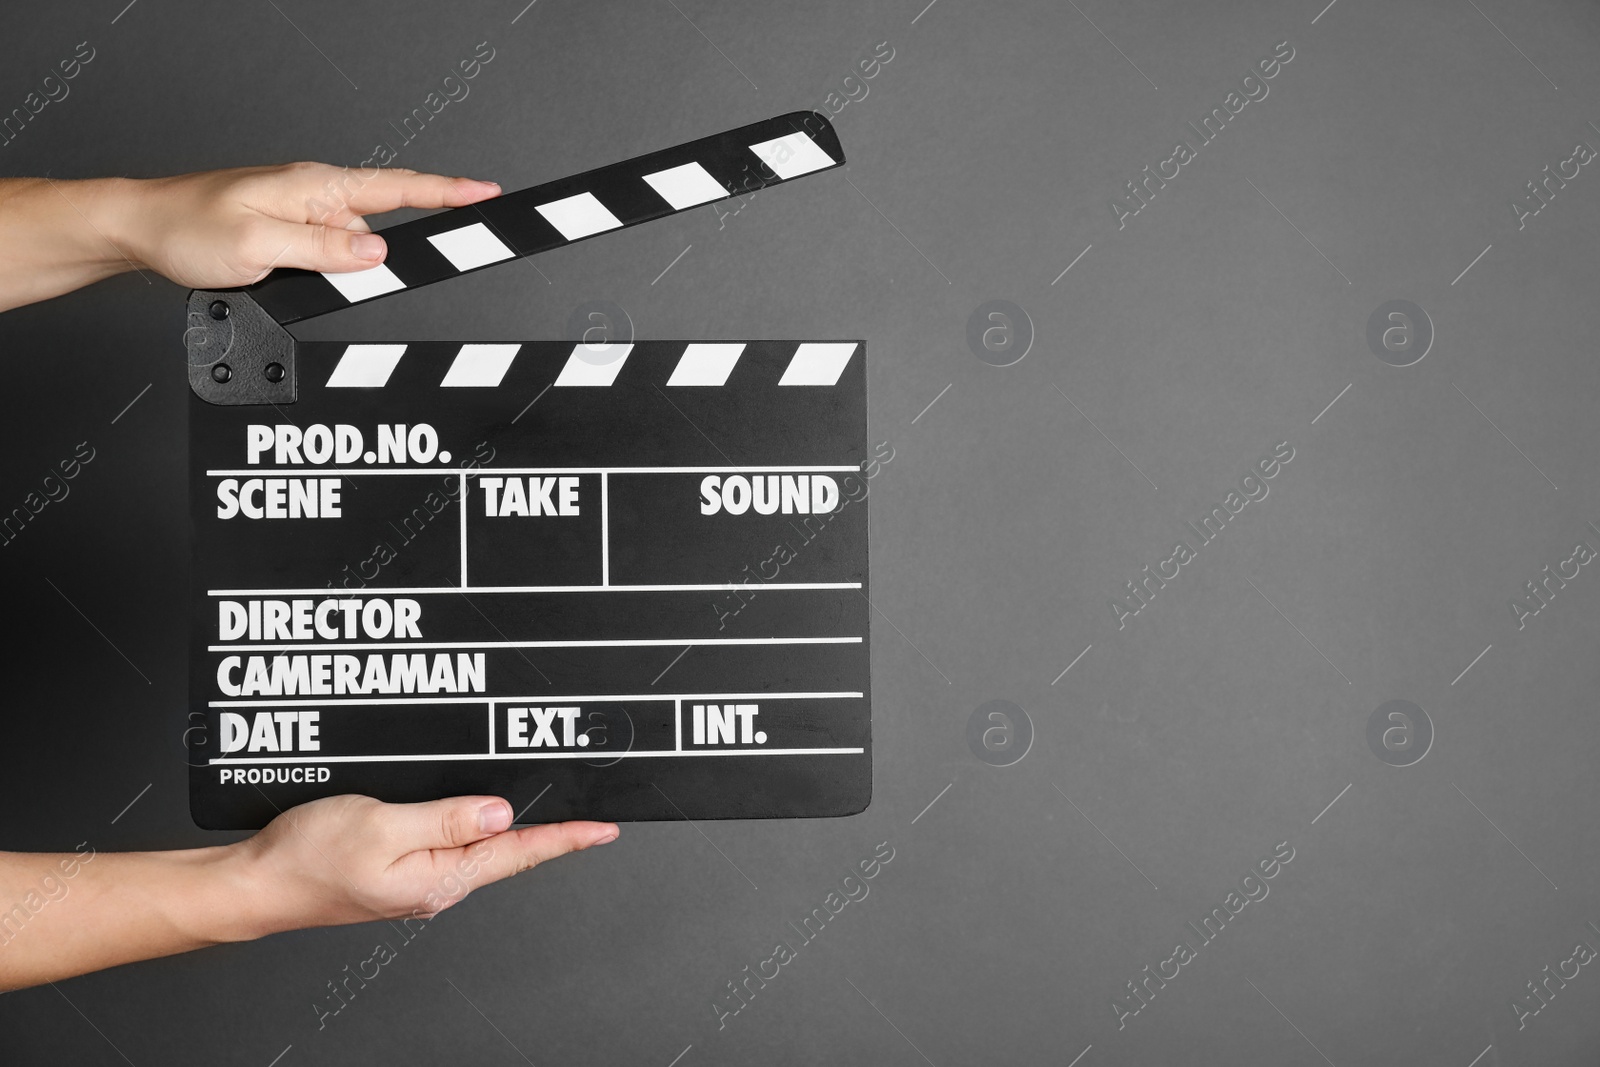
x=1212, y=327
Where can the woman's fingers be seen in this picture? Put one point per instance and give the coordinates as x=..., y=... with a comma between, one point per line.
x=444, y=824
x=392, y=188
x=517, y=850
x=270, y=243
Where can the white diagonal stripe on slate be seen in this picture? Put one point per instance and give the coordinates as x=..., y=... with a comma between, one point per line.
x=706, y=364
x=792, y=155
x=687, y=186
x=480, y=366
x=818, y=363
x=593, y=364
x=365, y=366
x=470, y=246
x=579, y=216
x=360, y=285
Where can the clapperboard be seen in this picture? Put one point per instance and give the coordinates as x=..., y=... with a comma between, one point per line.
x=642, y=597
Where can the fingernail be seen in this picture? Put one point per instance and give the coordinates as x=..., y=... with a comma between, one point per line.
x=367, y=246
x=490, y=186
x=606, y=840
x=494, y=817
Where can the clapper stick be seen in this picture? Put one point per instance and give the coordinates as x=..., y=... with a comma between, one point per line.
x=240, y=353
x=615, y=581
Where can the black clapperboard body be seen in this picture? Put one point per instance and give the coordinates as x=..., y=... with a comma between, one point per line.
x=643, y=596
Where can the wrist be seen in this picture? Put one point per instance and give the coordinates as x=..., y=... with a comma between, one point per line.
x=240, y=900
x=119, y=212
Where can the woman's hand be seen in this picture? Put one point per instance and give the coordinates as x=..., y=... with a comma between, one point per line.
x=209, y=230
x=222, y=228
x=350, y=859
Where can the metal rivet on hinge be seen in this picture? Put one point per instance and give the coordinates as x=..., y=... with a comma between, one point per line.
x=219, y=309
x=274, y=372
x=221, y=373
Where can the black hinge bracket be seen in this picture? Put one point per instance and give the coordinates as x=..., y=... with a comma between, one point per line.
x=237, y=353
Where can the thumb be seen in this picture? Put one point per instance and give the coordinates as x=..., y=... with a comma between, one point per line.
x=449, y=823
x=309, y=246
x=518, y=850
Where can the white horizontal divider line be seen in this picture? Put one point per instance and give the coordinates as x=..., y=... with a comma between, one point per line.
x=376, y=591
x=854, y=468
x=454, y=756
x=609, y=697
x=635, y=642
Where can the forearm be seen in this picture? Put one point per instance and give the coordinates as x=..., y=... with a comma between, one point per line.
x=56, y=236
x=71, y=913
